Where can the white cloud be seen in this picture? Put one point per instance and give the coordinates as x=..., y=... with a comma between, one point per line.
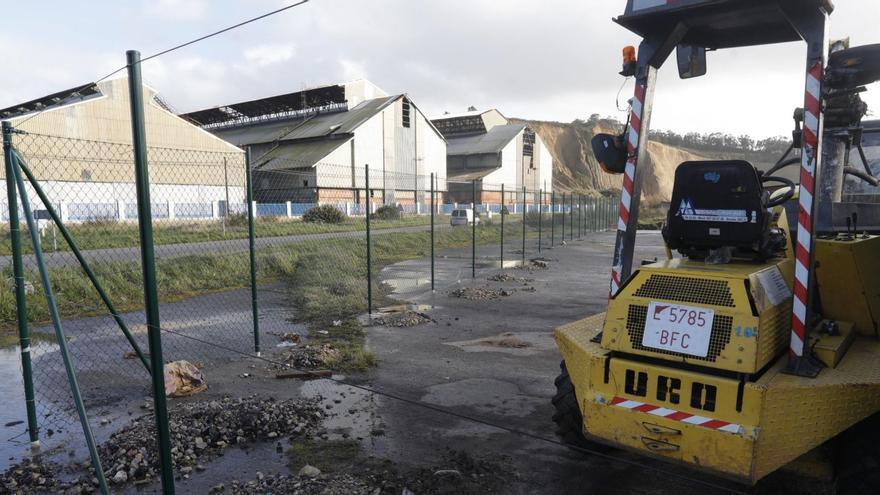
x=351, y=70
x=270, y=53
x=177, y=9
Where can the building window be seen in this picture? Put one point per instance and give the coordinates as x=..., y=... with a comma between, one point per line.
x=306, y=183
x=528, y=142
x=407, y=109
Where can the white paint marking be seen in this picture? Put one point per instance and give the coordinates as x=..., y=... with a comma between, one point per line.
x=797, y=345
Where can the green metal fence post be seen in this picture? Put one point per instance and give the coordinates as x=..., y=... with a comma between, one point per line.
x=148, y=262
x=369, y=247
x=502, y=225
x=433, y=207
x=562, y=208
x=524, y=227
x=252, y=250
x=474, y=229
x=540, y=216
x=60, y=337
x=24, y=337
x=580, y=216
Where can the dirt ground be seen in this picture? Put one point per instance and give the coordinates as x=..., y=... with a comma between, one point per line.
x=463, y=402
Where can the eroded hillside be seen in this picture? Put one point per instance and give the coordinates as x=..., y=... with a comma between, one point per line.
x=576, y=170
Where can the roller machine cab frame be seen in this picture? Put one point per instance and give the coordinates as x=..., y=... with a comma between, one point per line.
x=759, y=343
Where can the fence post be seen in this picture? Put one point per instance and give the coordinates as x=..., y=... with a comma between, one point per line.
x=24, y=338
x=580, y=216
x=571, y=217
x=474, y=229
x=502, y=225
x=524, y=227
x=552, y=218
x=59, y=334
x=562, y=210
x=432, y=231
x=151, y=296
x=369, y=253
x=252, y=251
x=540, y=216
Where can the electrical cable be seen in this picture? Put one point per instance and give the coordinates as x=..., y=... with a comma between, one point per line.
x=466, y=417
x=617, y=98
x=169, y=50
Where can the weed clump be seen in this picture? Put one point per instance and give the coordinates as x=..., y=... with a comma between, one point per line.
x=324, y=214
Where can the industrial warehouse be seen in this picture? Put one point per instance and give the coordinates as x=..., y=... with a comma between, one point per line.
x=484, y=146
x=313, y=146
x=95, y=186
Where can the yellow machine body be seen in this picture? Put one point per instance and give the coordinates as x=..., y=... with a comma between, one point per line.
x=732, y=412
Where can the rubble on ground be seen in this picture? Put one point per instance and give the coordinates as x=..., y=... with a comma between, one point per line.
x=535, y=264
x=506, y=277
x=480, y=293
x=402, y=319
x=200, y=431
x=459, y=473
x=309, y=357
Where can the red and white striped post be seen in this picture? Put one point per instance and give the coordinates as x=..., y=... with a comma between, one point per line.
x=804, y=258
x=629, y=196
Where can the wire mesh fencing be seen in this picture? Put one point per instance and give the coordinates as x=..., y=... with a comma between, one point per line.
x=287, y=274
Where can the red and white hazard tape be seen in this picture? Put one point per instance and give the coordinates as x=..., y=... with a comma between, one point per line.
x=812, y=116
x=632, y=146
x=688, y=418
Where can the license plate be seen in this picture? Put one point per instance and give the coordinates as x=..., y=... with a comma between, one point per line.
x=678, y=328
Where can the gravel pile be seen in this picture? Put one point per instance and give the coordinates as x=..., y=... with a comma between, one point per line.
x=459, y=473
x=535, y=264
x=199, y=432
x=402, y=319
x=506, y=277
x=30, y=475
x=309, y=357
x=479, y=293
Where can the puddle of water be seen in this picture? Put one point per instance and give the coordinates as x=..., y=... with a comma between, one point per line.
x=484, y=395
x=520, y=343
x=13, y=439
x=352, y=414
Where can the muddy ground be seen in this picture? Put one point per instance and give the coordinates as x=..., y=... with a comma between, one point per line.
x=463, y=393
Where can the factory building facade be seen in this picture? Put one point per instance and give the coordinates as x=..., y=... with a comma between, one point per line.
x=313, y=146
x=484, y=146
x=78, y=143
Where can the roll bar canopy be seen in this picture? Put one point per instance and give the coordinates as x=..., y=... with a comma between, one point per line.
x=718, y=23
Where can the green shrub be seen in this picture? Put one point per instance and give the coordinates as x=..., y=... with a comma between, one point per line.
x=324, y=214
x=387, y=212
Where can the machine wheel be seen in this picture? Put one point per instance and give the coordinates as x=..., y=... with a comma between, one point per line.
x=568, y=417
x=857, y=458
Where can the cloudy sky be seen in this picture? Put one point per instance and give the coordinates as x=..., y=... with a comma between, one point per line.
x=549, y=59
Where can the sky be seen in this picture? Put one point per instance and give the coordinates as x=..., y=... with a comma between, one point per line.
x=546, y=60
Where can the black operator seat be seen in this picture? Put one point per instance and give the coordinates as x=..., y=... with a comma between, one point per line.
x=717, y=204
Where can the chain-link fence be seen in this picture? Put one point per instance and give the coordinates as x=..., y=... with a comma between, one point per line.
x=315, y=270
x=255, y=254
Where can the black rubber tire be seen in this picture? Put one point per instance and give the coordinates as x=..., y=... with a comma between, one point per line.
x=568, y=418
x=857, y=458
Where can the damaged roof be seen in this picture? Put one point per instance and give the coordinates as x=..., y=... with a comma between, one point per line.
x=479, y=144
x=322, y=125
x=467, y=175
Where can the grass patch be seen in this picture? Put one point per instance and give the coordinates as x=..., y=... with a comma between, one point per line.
x=329, y=292
x=327, y=278
x=328, y=456
x=112, y=234
x=9, y=337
